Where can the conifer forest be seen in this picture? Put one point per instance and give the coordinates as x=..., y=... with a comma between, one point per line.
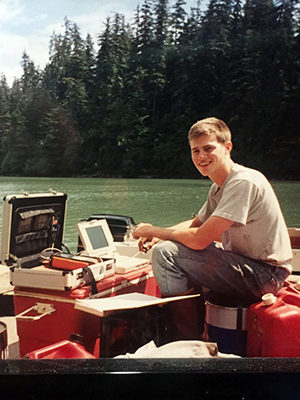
x=122, y=107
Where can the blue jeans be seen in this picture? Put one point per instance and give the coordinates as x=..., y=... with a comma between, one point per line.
x=177, y=268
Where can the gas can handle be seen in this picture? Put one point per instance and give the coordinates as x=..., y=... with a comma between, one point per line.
x=42, y=309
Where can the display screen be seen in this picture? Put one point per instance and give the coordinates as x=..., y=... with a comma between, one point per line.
x=97, y=237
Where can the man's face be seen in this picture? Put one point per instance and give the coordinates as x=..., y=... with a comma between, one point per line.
x=209, y=156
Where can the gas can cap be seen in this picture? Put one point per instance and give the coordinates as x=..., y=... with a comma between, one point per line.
x=268, y=299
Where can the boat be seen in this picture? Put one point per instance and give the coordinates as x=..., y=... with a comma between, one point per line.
x=121, y=226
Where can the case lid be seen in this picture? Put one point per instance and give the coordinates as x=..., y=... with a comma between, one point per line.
x=31, y=223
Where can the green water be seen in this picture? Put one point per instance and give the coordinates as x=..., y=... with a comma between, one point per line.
x=158, y=201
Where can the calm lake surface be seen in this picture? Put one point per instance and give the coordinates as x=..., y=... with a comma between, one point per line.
x=158, y=201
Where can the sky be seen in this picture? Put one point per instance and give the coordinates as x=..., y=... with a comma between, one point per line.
x=27, y=25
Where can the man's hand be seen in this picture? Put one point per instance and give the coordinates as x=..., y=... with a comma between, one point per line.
x=144, y=233
x=145, y=245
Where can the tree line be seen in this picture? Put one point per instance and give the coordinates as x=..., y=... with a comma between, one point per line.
x=123, y=108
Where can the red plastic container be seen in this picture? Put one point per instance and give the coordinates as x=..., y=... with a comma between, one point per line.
x=274, y=330
x=63, y=349
x=289, y=288
x=65, y=319
x=3, y=340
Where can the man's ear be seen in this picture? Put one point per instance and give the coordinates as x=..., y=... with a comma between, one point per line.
x=228, y=146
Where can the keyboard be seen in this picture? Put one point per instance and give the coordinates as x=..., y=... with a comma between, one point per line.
x=126, y=264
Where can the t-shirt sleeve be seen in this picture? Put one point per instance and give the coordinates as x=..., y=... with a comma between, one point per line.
x=208, y=207
x=204, y=213
x=238, y=202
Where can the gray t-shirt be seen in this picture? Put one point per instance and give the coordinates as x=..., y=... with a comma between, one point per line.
x=259, y=230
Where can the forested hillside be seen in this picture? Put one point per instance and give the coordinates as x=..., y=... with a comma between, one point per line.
x=123, y=106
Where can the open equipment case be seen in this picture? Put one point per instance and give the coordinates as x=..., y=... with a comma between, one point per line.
x=30, y=224
x=33, y=224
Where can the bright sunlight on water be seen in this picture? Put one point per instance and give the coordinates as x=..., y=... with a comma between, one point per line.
x=158, y=201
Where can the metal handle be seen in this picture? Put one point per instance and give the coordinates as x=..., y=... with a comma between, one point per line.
x=42, y=309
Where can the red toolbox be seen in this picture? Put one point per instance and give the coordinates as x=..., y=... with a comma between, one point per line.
x=274, y=325
x=45, y=316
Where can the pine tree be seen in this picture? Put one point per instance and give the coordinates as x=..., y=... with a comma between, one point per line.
x=237, y=18
x=59, y=153
x=178, y=20
x=217, y=21
x=192, y=29
x=161, y=22
x=17, y=145
x=5, y=118
x=146, y=27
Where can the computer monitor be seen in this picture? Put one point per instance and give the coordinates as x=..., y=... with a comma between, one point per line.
x=96, y=237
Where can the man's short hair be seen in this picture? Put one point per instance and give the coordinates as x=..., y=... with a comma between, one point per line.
x=210, y=126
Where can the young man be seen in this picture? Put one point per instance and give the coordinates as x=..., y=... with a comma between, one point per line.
x=241, y=210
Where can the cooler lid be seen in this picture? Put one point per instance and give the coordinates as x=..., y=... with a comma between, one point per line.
x=30, y=224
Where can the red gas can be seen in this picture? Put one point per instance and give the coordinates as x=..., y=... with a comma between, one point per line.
x=289, y=288
x=274, y=330
x=62, y=349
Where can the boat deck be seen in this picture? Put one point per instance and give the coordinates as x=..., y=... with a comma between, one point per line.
x=6, y=301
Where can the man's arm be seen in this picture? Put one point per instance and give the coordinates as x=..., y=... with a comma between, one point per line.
x=196, y=236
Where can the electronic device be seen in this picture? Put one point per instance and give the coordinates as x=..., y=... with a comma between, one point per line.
x=97, y=240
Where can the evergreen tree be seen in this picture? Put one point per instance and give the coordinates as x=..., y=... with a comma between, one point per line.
x=89, y=66
x=146, y=27
x=217, y=21
x=30, y=79
x=5, y=117
x=161, y=22
x=110, y=104
x=192, y=30
x=59, y=153
x=237, y=19
x=17, y=144
x=27, y=106
x=178, y=20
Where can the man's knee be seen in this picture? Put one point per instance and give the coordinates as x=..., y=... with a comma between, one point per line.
x=160, y=254
x=157, y=252
x=162, y=249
